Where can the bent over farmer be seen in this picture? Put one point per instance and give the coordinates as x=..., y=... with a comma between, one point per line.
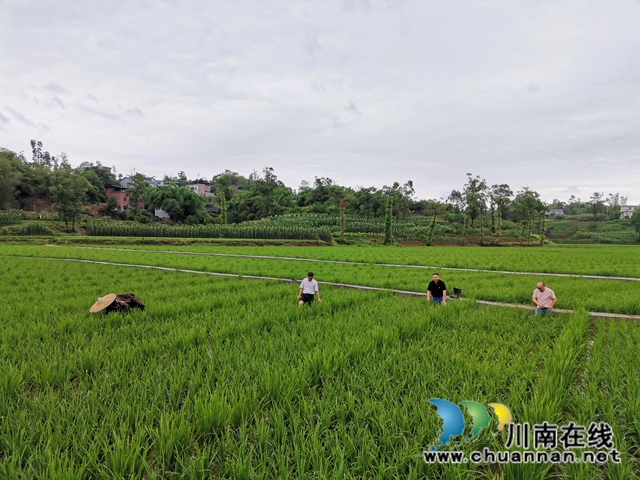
x=544, y=298
x=308, y=287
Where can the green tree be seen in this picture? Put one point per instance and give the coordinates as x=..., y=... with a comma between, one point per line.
x=35, y=185
x=614, y=201
x=574, y=206
x=42, y=158
x=523, y=231
x=366, y=202
x=68, y=189
x=9, y=180
x=178, y=202
x=137, y=191
x=35, y=176
x=433, y=208
x=391, y=194
x=596, y=203
x=96, y=191
x=99, y=179
x=388, y=220
x=230, y=183
x=475, y=191
x=472, y=201
x=404, y=200
x=500, y=197
x=112, y=206
x=324, y=197
x=170, y=181
x=267, y=196
x=526, y=206
x=458, y=201
x=543, y=227
x=635, y=221
x=223, y=208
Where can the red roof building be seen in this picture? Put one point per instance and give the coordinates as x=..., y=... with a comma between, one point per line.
x=121, y=196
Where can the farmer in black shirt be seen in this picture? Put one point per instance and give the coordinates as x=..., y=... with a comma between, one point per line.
x=438, y=290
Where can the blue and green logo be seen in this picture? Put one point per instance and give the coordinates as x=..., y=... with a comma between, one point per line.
x=453, y=423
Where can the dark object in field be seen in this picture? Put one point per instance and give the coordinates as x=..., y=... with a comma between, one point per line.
x=456, y=293
x=116, y=303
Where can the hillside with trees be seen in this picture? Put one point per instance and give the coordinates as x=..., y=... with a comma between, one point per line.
x=45, y=188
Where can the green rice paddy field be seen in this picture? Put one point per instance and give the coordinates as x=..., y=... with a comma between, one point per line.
x=600, y=295
x=620, y=260
x=228, y=378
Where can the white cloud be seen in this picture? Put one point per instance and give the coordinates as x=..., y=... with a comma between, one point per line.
x=27, y=121
x=527, y=93
x=52, y=87
x=351, y=108
x=55, y=101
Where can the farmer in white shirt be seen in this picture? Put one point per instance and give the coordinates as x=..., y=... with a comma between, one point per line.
x=544, y=298
x=308, y=287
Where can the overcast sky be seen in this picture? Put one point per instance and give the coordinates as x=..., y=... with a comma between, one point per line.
x=539, y=94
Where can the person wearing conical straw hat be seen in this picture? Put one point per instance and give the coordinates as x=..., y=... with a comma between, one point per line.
x=103, y=302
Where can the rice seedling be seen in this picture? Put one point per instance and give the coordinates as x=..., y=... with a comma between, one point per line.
x=608, y=392
x=222, y=378
x=573, y=293
x=610, y=260
x=228, y=378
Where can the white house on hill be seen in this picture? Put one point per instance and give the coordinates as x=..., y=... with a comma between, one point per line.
x=627, y=210
x=201, y=187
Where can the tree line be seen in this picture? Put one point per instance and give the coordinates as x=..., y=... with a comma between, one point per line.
x=46, y=180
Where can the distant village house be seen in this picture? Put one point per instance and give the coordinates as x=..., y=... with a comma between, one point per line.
x=554, y=211
x=126, y=181
x=201, y=187
x=118, y=192
x=626, y=211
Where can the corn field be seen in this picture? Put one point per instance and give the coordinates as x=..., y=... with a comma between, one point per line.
x=10, y=217
x=413, y=228
x=107, y=229
x=34, y=228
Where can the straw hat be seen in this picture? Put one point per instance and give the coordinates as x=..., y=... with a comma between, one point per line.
x=103, y=302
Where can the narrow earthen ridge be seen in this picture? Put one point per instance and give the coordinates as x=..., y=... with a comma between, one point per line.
x=621, y=316
x=343, y=262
